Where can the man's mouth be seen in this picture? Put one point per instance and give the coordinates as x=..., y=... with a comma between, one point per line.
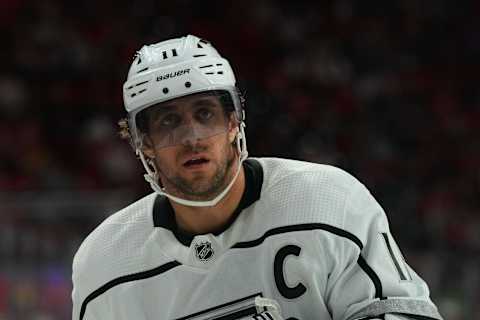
x=195, y=162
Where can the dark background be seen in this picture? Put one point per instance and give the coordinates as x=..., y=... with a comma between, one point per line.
x=387, y=90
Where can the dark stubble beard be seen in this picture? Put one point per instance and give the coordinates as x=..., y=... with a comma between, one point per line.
x=206, y=190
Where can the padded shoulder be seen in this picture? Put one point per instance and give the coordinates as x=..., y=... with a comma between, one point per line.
x=115, y=248
x=304, y=192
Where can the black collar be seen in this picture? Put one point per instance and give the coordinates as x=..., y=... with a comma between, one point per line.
x=164, y=216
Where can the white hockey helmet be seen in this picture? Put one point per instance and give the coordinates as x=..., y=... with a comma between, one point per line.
x=171, y=69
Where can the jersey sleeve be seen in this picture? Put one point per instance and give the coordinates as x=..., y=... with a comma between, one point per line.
x=75, y=297
x=80, y=292
x=86, y=268
x=371, y=277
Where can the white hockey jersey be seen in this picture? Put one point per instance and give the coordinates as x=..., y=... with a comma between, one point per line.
x=308, y=236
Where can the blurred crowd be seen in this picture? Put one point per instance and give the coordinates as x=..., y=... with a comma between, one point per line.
x=387, y=90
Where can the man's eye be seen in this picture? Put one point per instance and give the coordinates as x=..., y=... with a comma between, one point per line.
x=204, y=114
x=169, y=121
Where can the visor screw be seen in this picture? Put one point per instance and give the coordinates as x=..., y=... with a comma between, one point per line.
x=188, y=84
x=165, y=90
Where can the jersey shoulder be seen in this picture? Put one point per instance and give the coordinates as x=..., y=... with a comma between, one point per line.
x=289, y=171
x=304, y=192
x=115, y=247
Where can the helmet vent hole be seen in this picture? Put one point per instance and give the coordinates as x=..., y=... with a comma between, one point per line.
x=144, y=69
x=220, y=72
x=164, y=54
x=219, y=64
x=140, y=83
x=137, y=93
x=174, y=52
x=165, y=90
x=207, y=66
x=136, y=85
x=199, y=55
x=188, y=84
x=209, y=72
x=199, y=46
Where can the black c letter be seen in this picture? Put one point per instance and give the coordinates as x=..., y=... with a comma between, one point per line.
x=286, y=291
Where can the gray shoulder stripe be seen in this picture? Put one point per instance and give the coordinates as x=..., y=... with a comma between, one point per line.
x=403, y=306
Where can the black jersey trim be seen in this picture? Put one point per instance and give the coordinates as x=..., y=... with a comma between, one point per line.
x=164, y=216
x=379, y=317
x=259, y=294
x=300, y=227
x=373, y=276
x=320, y=226
x=128, y=278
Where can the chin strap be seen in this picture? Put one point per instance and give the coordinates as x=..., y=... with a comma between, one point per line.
x=152, y=175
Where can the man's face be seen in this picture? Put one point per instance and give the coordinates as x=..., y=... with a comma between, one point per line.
x=190, y=140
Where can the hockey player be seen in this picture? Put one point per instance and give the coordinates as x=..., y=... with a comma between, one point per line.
x=229, y=237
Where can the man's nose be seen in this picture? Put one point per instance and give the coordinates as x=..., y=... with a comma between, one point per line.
x=191, y=135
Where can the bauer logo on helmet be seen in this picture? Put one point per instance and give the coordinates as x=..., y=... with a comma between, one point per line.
x=173, y=74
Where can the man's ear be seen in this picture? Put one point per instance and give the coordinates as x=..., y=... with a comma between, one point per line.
x=233, y=128
x=232, y=133
x=147, y=147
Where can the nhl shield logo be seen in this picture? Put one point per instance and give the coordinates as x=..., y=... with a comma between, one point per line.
x=204, y=251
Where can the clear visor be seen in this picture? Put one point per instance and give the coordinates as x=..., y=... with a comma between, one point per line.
x=187, y=119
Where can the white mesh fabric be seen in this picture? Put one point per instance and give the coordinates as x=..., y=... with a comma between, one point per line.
x=117, y=247
x=293, y=193
x=304, y=192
